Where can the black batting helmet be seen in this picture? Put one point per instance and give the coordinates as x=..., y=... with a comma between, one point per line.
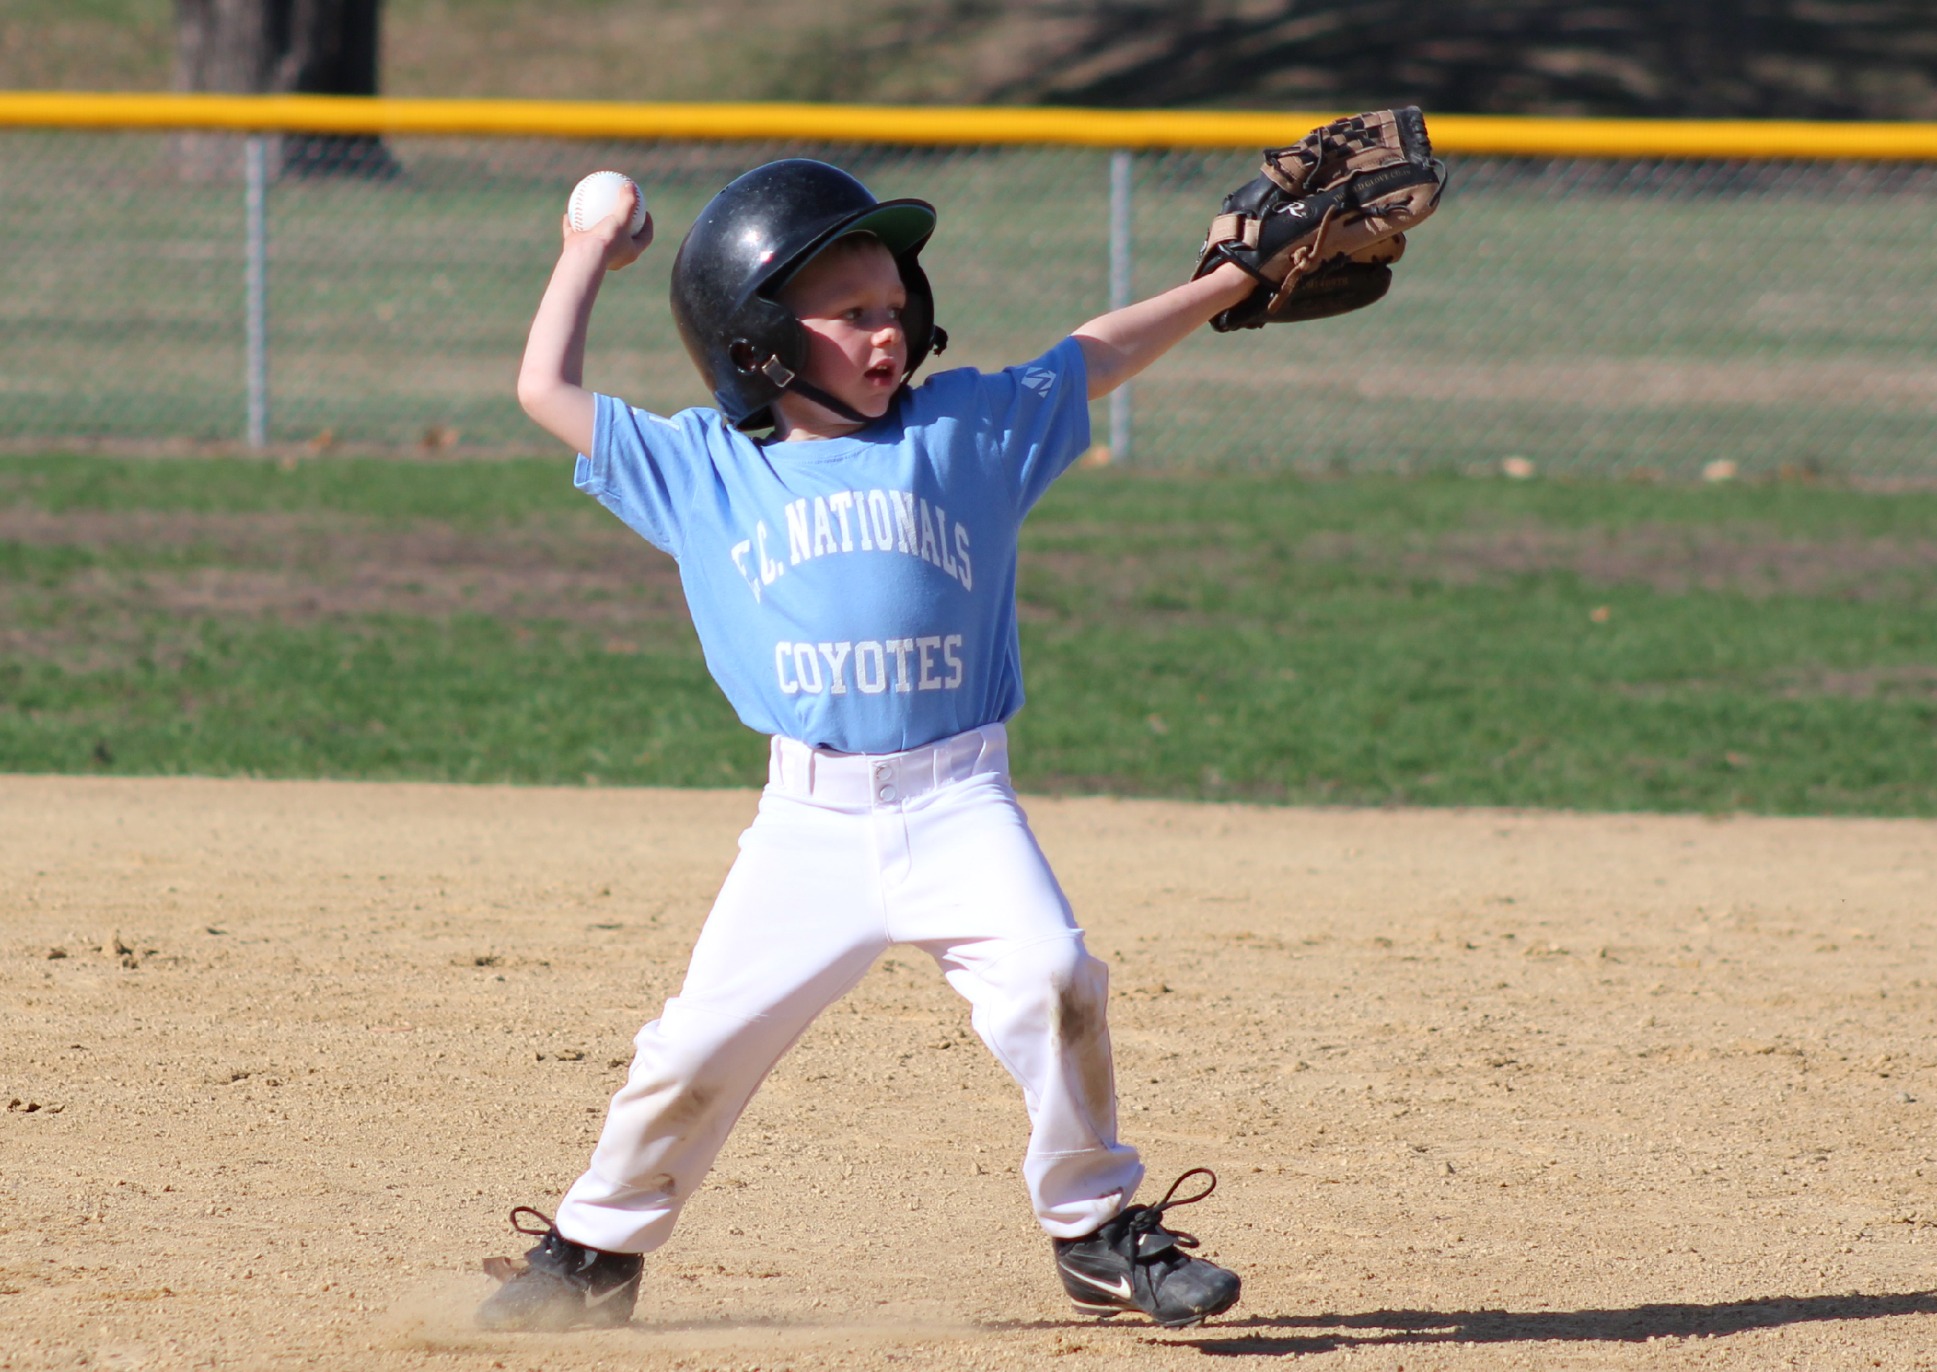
x=748, y=241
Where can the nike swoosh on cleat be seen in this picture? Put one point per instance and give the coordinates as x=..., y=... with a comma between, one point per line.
x=1120, y=1288
x=593, y=1302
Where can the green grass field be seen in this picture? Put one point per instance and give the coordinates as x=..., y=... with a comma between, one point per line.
x=1444, y=641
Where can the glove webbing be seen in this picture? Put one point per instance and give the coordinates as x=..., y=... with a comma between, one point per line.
x=1347, y=147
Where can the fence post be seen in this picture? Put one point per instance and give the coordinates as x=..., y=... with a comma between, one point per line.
x=1120, y=286
x=255, y=279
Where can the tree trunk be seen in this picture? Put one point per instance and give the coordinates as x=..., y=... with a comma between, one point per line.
x=312, y=47
x=220, y=45
x=223, y=45
x=331, y=49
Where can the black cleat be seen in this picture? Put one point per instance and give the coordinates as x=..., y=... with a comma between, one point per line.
x=560, y=1284
x=1134, y=1263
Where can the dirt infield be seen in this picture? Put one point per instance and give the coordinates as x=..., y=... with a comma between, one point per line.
x=1483, y=1089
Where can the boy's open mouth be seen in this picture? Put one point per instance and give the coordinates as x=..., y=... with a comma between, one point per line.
x=881, y=372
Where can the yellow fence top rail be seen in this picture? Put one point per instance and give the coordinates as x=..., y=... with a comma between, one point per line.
x=1490, y=135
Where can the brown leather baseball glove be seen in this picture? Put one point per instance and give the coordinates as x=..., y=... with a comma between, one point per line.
x=1322, y=224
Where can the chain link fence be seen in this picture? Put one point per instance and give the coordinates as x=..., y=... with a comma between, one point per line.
x=1589, y=317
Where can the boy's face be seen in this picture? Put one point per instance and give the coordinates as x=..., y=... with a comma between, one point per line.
x=849, y=301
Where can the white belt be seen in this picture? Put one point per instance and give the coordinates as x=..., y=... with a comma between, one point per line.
x=862, y=780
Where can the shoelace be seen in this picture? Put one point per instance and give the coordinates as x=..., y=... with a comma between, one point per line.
x=545, y=1220
x=1146, y=1219
x=510, y=1269
x=583, y=1258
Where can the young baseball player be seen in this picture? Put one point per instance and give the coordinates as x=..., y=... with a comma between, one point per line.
x=852, y=579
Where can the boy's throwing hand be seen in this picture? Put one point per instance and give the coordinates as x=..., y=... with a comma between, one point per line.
x=551, y=377
x=618, y=248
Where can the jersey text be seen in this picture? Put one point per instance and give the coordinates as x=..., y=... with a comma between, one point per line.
x=872, y=666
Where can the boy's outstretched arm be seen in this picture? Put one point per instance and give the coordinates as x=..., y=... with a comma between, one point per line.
x=1118, y=345
x=551, y=378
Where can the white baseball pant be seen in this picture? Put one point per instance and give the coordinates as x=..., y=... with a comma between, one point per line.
x=848, y=855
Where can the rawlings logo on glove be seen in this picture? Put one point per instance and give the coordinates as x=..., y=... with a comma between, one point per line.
x=1324, y=221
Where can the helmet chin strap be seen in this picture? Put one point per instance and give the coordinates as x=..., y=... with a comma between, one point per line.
x=788, y=380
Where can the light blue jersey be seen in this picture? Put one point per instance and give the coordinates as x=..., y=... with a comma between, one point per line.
x=855, y=593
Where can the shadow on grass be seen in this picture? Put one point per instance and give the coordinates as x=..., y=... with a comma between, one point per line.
x=1268, y=1336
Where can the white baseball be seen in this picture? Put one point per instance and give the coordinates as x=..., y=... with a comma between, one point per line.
x=593, y=199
